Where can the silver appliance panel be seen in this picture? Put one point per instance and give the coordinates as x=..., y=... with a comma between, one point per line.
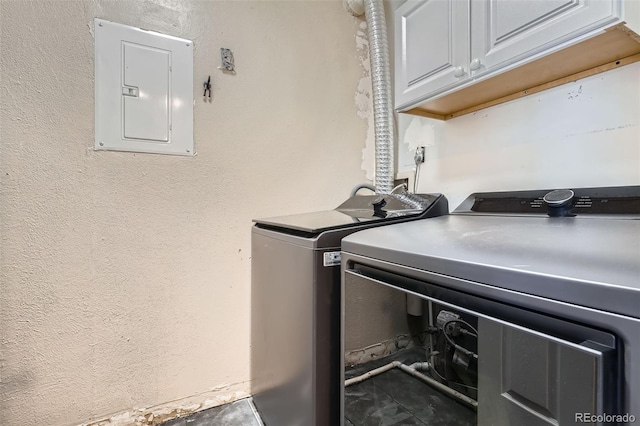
x=359, y=209
x=605, y=342
x=593, y=263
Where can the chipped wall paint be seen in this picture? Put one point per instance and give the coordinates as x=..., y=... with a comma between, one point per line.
x=377, y=351
x=581, y=134
x=364, y=100
x=152, y=416
x=125, y=277
x=416, y=133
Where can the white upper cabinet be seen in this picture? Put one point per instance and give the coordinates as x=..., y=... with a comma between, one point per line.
x=504, y=31
x=432, y=43
x=452, y=56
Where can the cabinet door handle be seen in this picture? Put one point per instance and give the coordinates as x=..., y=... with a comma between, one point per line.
x=475, y=64
x=458, y=72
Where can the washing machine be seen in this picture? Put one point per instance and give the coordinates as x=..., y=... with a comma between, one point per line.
x=295, y=303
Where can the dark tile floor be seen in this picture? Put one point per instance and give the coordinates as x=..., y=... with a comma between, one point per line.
x=238, y=413
x=396, y=398
x=393, y=398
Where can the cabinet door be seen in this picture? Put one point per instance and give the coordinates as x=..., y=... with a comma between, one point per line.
x=504, y=31
x=529, y=378
x=431, y=42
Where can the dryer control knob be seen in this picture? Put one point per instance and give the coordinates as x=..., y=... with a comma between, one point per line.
x=559, y=197
x=559, y=203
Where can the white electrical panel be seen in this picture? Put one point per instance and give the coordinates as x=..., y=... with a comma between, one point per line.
x=144, y=90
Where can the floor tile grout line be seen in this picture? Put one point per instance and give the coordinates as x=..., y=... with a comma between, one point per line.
x=377, y=387
x=383, y=390
x=398, y=402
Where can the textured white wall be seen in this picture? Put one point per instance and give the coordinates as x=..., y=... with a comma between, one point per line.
x=585, y=133
x=125, y=277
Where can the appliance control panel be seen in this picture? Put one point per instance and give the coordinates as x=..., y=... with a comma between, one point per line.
x=620, y=202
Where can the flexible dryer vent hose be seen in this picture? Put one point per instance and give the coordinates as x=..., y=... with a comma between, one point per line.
x=381, y=85
x=382, y=101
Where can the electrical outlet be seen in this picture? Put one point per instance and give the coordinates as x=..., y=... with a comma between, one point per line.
x=418, y=157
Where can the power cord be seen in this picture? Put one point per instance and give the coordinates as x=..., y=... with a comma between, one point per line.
x=454, y=344
x=418, y=158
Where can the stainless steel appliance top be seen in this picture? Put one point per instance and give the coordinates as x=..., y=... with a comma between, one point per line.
x=352, y=213
x=594, y=263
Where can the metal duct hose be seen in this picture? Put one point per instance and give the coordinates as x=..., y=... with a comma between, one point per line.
x=413, y=200
x=382, y=103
